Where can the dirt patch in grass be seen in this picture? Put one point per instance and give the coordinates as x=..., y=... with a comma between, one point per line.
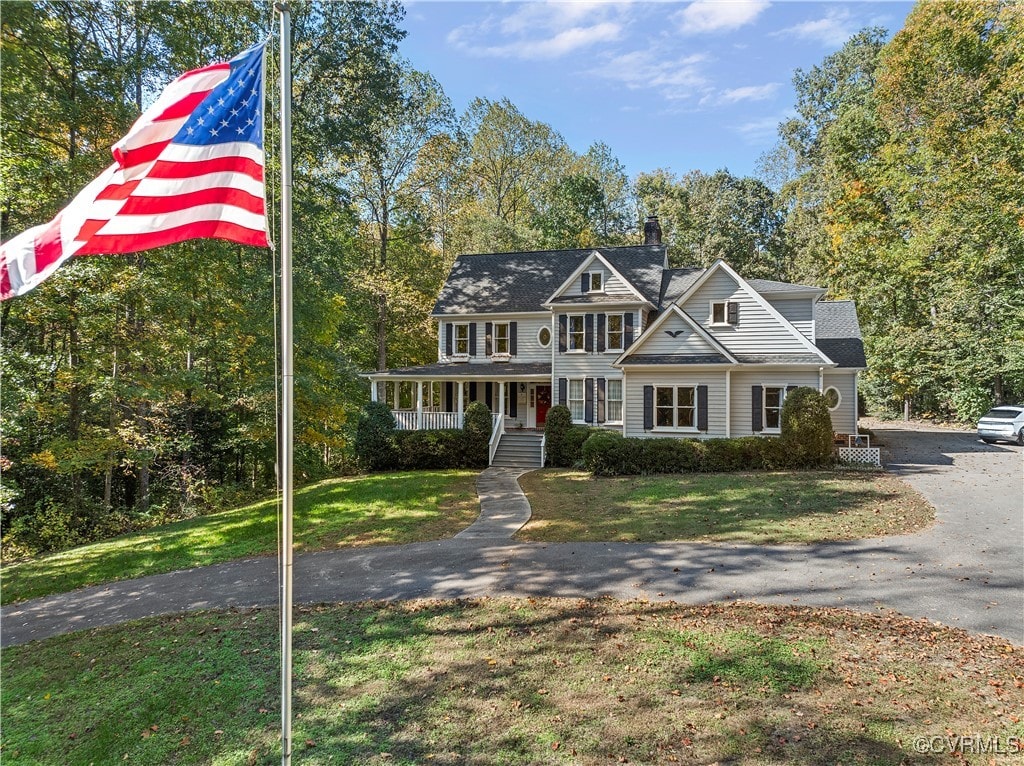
x=524, y=681
x=777, y=507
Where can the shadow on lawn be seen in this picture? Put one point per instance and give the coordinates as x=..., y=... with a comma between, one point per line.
x=590, y=682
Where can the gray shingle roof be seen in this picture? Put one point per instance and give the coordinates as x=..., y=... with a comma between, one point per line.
x=768, y=286
x=675, y=359
x=837, y=333
x=675, y=282
x=518, y=282
x=778, y=358
x=494, y=370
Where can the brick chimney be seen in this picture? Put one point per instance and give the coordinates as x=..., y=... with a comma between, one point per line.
x=652, y=231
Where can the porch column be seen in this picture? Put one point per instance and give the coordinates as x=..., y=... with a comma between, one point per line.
x=373, y=390
x=419, y=405
x=459, y=408
x=501, y=397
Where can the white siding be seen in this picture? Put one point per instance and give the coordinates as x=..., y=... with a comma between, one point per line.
x=757, y=332
x=613, y=284
x=844, y=418
x=687, y=341
x=799, y=311
x=528, y=348
x=634, y=400
x=742, y=383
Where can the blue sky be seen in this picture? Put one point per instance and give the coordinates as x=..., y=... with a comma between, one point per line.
x=698, y=85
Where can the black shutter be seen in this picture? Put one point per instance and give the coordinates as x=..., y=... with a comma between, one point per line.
x=449, y=397
x=489, y=396
x=756, y=406
x=563, y=391
x=512, y=337
x=648, y=408
x=513, y=400
x=732, y=312
x=702, y=408
x=472, y=338
x=600, y=400
x=627, y=340
x=448, y=338
x=588, y=342
x=584, y=282
x=588, y=400
x=472, y=391
x=563, y=333
x=488, y=342
x=600, y=332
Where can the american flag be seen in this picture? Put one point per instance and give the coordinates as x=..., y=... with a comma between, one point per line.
x=190, y=167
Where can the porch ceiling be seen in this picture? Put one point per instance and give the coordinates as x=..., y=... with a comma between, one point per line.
x=539, y=371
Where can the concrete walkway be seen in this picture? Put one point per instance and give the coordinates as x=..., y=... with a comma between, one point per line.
x=966, y=571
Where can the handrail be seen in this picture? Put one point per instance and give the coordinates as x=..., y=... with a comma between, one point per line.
x=497, y=429
x=543, y=440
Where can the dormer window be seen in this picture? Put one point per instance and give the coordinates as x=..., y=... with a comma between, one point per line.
x=725, y=312
x=593, y=282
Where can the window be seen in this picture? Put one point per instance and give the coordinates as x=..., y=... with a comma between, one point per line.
x=675, y=407
x=613, y=332
x=613, y=401
x=593, y=281
x=725, y=312
x=576, y=401
x=773, y=397
x=462, y=339
x=544, y=337
x=577, y=332
x=832, y=397
x=500, y=339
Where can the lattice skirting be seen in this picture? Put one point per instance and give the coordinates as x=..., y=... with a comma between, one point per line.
x=861, y=455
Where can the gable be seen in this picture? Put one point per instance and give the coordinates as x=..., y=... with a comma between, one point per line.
x=613, y=287
x=757, y=331
x=673, y=336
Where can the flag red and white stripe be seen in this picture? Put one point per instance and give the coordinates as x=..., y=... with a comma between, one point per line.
x=171, y=180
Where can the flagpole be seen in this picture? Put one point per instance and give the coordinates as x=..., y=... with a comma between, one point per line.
x=287, y=380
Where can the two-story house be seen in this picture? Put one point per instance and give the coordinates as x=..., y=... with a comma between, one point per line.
x=626, y=343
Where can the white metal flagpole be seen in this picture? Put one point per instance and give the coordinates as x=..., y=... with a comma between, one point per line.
x=287, y=376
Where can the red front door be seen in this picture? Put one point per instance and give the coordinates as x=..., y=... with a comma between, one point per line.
x=543, y=404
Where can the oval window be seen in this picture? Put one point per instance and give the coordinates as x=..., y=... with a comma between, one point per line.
x=832, y=397
x=544, y=337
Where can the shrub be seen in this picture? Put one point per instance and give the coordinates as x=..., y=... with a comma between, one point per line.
x=807, y=428
x=572, y=445
x=375, y=444
x=556, y=429
x=477, y=426
x=443, y=448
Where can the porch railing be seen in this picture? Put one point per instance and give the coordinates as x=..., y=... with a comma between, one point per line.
x=411, y=420
x=497, y=429
x=543, y=448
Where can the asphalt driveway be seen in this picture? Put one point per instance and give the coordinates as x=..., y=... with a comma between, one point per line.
x=966, y=571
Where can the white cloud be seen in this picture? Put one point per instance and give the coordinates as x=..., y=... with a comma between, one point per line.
x=833, y=30
x=718, y=15
x=763, y=131
x=542, y=30
x=749, y=93
x=675, y=79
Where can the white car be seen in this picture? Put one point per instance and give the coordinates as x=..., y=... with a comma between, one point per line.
x=1005, y=422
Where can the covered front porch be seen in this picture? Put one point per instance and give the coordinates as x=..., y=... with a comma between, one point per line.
x=436, y=395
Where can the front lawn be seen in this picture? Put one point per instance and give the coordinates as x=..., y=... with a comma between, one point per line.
x=526, y=681
x=379, y=509
x=778, y=507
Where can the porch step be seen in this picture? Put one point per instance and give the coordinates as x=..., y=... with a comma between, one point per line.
x=518, y=450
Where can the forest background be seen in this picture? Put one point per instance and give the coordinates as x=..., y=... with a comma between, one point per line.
x=141, y=389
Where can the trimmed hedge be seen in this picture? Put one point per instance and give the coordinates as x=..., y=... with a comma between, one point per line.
x=807, y=427
x=374, y=443
x=609, y=454
x=563, y=441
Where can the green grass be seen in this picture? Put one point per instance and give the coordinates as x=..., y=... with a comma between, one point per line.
x=763, y=508
x=508, y=682
x=379, y=509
